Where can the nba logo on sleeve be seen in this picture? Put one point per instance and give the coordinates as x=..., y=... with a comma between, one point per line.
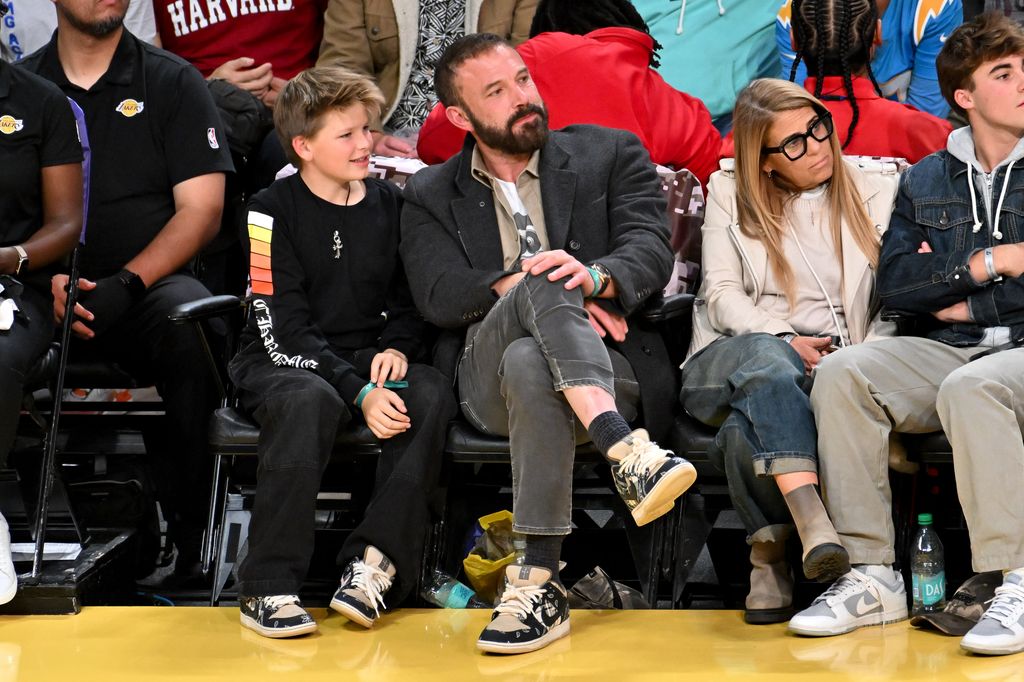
x=211, y=137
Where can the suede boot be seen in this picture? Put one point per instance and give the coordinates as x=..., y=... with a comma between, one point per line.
x=824, y=558
x=770, y=599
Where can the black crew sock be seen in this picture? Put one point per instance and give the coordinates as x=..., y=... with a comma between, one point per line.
x=544, y=551
x=607, y=429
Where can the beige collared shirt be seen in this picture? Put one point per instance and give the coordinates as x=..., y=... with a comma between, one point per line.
x=528, y=187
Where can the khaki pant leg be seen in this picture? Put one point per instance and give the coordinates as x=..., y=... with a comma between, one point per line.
x=861, y=394
x=981, y=406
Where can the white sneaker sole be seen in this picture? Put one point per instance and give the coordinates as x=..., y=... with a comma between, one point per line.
x=555, y=633
x=989, y=650
x=850, y=626
x=12, y=590
x=663, y=496
x=277, y=633
x=351, y=613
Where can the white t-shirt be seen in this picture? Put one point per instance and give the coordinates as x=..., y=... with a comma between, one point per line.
x=29, y=25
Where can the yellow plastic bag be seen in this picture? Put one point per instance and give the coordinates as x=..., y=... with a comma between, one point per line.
x=494, y=550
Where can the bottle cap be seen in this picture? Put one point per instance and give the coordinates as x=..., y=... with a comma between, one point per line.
x=924, y=519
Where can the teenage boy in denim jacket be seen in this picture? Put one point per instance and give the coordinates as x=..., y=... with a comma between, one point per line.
x=952, y=256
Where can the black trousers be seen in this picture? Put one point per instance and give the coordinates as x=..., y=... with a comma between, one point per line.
x=299, y=414
x=20, y=347
x=171, y=356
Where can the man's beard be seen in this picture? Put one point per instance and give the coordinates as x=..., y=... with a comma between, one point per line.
x=528, y=139
x=97, y=29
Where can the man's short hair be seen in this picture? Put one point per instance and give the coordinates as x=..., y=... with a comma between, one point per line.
x=987, y=37
x=312, y=93
x=459, y=52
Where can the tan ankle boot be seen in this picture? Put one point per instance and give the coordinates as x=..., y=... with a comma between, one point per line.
x=824, y=558
x=770, y=599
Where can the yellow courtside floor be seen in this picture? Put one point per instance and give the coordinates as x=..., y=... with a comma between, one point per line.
x=196, y=643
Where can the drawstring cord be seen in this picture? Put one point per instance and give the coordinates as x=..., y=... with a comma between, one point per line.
x=682, y=15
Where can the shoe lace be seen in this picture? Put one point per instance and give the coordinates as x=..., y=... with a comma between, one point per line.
x=519, y=601
x=1007, y=605
x=373, y=582
x=849, y=585
x=644, y=456
x=277, y=601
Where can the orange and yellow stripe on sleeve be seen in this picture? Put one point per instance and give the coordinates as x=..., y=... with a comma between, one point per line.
x=261, y=230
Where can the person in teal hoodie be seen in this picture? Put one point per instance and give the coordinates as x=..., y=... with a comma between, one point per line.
x=712, y=49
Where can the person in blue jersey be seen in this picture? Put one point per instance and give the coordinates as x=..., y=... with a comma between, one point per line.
x=912, y=33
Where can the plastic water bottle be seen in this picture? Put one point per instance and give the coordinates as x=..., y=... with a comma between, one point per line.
x=928, y=568
x=519, y=548
x=448, y=593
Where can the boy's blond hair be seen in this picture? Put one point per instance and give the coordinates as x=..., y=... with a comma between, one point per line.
x=309, y=95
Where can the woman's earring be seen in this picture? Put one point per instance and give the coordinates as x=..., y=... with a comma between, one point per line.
x=769, y=172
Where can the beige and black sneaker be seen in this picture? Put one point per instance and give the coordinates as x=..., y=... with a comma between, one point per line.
x=648, y=478
x=360, y=596
x=534, y=611
x=280, y=615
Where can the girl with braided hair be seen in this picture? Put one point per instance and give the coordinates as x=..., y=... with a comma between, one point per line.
x=835, y=40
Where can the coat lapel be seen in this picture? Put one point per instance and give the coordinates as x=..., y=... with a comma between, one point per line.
x=476, y=223
x=856, y=268
x=558, y=192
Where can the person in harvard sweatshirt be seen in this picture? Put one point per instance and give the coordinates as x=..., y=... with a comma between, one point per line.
x=331, y=338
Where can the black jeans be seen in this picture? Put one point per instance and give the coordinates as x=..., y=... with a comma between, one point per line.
x=20, y=347
x=145, y=343
x=299, y=414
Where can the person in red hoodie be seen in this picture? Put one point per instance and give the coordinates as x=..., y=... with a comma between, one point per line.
x=838, y=61
x=593, y=63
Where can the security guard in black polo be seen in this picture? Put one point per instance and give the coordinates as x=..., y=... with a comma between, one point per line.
x=155, y=198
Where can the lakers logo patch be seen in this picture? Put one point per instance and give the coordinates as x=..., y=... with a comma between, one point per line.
x=129, y=107
x=9, y=124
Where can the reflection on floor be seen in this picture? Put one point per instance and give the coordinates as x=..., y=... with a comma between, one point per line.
x=152, y=643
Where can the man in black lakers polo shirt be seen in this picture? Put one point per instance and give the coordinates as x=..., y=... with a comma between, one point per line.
x=157, y=192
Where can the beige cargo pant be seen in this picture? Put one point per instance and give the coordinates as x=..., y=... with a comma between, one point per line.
x=915, y=385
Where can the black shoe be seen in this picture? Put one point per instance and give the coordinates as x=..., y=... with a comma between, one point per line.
x=534, y=611
x=648, y=478
x=280, y=615
x=363, y=585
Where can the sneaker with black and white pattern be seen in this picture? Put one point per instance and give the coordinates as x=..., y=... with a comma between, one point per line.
x=280, y=615
x=533, y=612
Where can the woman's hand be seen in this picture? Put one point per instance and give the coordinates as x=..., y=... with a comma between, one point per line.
x=388, y=365
x=811, y=349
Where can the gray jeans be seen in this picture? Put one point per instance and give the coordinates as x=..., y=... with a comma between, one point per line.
x=915, y=385
x=535, y=342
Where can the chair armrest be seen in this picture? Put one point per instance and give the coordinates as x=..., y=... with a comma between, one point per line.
x=205, y=308
x=663, y=308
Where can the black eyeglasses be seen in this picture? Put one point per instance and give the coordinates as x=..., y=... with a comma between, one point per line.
x=795, y=146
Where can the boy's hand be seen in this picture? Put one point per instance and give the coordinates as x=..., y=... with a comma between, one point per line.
x=384, y=413
x=389, y=364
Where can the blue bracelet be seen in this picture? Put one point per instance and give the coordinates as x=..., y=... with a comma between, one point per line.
x=596, y=277
x=363, y=393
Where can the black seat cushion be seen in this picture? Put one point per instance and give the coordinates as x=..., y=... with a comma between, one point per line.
x=467, y=445
x=233, y=433
x=693, y=440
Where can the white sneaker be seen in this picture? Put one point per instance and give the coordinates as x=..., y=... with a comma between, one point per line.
x=1001, y=628
x=8, y=578
x=872, y=596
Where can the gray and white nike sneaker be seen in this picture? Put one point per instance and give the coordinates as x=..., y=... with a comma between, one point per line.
x=871, y=596
x=1001, y=628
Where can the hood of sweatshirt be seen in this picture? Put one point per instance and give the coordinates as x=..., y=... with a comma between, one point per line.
x=960, y=145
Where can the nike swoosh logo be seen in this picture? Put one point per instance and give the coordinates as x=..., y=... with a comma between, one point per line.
x=861, y=607
x=942, y=38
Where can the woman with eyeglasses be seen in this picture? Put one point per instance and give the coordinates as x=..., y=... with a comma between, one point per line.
x=790, y=241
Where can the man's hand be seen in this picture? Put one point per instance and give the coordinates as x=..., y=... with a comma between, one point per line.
x=269, y=98
x=811, y=349
x=241, y=73
x=107, y=300
x=389, y=145
x=389, y=364
x=606, y=323
x=384, y=413
x=564, y=266
x=58, y=287
x=958, y=312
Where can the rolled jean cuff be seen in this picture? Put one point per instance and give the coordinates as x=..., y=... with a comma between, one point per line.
x=777, y=532
x=576, y=383
x=775, y=463
x=541, y=530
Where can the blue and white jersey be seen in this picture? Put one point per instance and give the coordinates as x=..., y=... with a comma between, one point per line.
x=913, y=32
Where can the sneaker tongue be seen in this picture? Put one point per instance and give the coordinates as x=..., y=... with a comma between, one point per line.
x=625, y=446
x=521, y=576
x=1015, y=577
x=374, y=557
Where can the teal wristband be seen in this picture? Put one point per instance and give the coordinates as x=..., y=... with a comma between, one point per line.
x=363, y=393
x=596, y=277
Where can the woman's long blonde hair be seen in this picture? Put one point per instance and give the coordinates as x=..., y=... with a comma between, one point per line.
x=762, y=200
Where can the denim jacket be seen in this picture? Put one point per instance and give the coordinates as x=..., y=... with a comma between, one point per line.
x=934, y=205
